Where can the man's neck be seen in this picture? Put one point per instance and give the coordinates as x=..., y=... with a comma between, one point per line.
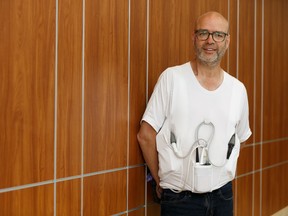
x=210, y=77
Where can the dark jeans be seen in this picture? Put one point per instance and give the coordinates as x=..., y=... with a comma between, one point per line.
x=217, y=203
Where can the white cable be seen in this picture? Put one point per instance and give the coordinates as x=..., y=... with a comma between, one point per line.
x=205, y=144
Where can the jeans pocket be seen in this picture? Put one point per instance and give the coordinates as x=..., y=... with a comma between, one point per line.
x=171, y=197
x=226, y=192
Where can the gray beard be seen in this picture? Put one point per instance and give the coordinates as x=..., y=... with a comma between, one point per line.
x=211, y=62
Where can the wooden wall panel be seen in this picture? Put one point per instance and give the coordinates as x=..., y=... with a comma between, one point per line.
x=245, y=161
x=275, y=70
x=274, y=189
x=257, y=156
x=32, y=201
x=106, y=84
x=27, y=47
x=275, y=153
x=136, y=187
x=69, y=198
x=138, y=212
x=69, y=99
x=233, y=31
x=153, y=210
x=246, y=60
x=257, y=133
x=257, y=202
x=138, y=61
x=244, y=196
x=105, y=194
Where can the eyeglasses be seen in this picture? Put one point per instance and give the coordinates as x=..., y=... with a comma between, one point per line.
x=204, y=35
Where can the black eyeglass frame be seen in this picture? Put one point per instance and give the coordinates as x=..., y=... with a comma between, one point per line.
x=211, y=33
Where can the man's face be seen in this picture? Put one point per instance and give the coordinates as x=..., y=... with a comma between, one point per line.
x=208, y=51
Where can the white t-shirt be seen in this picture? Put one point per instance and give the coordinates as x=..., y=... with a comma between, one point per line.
x=179, y=104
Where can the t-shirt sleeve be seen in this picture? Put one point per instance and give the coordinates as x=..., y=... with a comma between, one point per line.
x=243, y=128
x=156, y=110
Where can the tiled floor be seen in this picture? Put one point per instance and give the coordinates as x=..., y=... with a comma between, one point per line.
x=282, y=212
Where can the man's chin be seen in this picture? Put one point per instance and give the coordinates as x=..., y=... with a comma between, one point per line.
x=209, y=61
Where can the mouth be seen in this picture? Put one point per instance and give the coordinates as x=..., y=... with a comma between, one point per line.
x=209, y=50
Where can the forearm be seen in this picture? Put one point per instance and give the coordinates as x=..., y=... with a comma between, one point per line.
x=147, y=141
x=151, y=158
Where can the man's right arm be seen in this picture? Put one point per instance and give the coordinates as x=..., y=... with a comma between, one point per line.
x=147, y=141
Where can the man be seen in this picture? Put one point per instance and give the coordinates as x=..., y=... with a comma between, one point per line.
x=192, y=128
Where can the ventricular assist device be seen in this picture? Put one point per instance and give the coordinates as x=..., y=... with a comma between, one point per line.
x=203, y=168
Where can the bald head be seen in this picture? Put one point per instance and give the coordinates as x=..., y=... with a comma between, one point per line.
x=213, y=21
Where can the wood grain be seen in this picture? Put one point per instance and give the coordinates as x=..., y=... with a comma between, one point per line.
x=246, y=61
x=32, y=201
x=138, y=212
x=138, y=61
x=106, y=84
x=274, y=184
x=105, y=194
x=258, y=87
x=136, y=188
x=275, y=68
x=27, y=53
x=69, y=197
x=274, y=153
x=69, y=110
x=245, y=161
x=244, y=195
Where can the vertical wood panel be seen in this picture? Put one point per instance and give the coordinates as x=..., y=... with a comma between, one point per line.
x=136, y=187
x=274, y=153
x=153, y=210
x=32, y=201
x=69, y=88
x=258, y=93
x=258, y=113
x=245, y=161
x=275, y=70
x=105, y=194
x=246, y=54
x=106, y=84
x=233, y=49
x=274, y=189
x=27, y=47
x=244, y=196
x=69, y=198
x=138, y=38
x=257, y=194
x=138, y=212
x=258, y=155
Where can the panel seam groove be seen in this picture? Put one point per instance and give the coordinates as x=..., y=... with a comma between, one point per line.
x=55, y=106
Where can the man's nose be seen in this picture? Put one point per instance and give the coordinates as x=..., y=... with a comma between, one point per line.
x=210, y=39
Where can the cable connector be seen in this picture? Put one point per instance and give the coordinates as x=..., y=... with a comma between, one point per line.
x=173, y=142
x=231, y=145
